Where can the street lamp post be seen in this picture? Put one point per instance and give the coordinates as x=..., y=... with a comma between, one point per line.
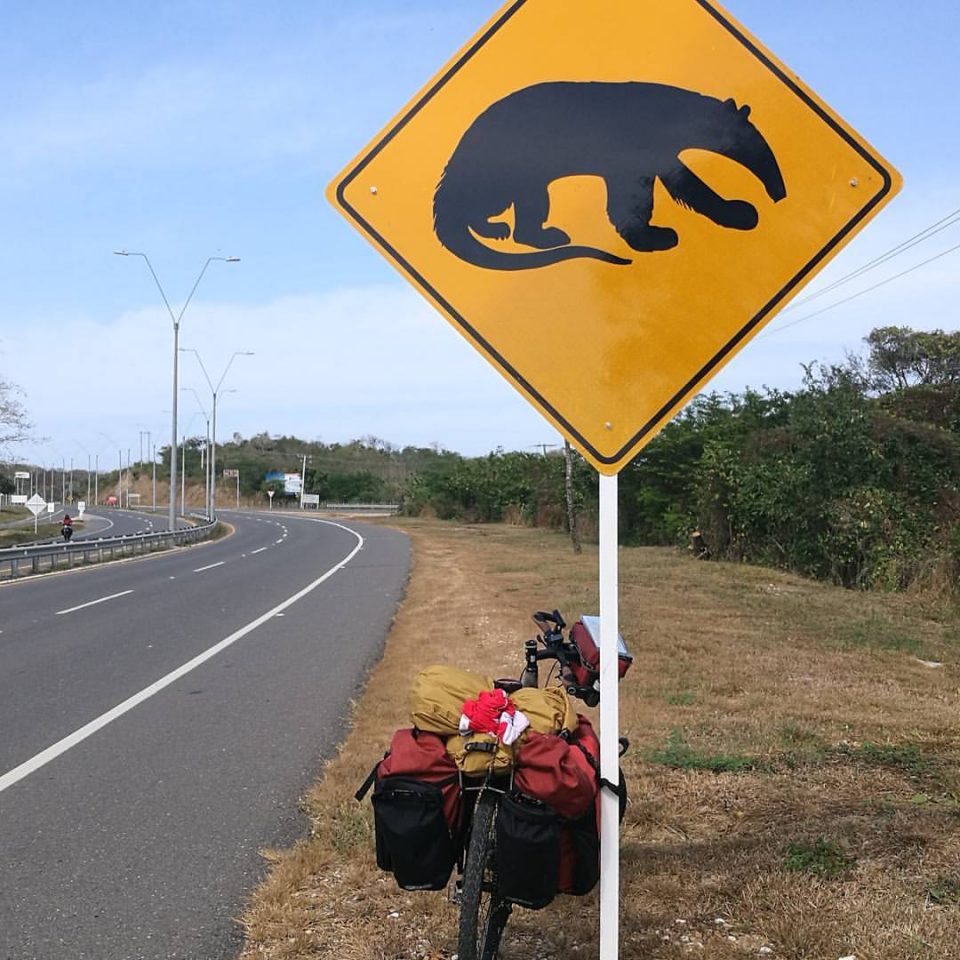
x=217, y=394
x=150, y=448
x=87, y=452
x=214, y=391
x=176, y=356
x=206, y=473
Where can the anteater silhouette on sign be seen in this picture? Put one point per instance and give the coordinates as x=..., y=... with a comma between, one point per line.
x=630, y=134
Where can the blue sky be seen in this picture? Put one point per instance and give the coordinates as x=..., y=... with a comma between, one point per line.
x=196, y=129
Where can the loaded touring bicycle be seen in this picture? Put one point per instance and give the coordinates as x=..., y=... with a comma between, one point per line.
x=500, y=781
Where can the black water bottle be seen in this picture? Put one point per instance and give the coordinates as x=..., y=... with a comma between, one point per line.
x=531, y=673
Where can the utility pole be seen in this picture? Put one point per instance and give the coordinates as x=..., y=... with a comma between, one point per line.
x=544, y=447
x=571, y=509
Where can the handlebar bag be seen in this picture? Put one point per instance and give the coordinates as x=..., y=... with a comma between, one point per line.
x=587, y=642
x=527, y=851
x=416, y=810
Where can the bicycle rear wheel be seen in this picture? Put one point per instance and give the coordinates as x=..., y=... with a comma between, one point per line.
x=483, y=915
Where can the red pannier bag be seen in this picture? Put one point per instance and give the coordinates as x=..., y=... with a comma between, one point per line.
x=564, y=774
x=416, y=810
x=585, y=635
x=559, y=775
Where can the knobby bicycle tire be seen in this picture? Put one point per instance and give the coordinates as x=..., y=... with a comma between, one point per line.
x=483, y=915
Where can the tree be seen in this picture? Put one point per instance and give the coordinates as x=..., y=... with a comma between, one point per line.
x=900, y=358
x=14, y=425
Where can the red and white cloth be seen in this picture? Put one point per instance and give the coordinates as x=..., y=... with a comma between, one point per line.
x=493, y=712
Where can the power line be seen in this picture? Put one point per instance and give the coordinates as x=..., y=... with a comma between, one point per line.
x=860, y=293
x=942, y=224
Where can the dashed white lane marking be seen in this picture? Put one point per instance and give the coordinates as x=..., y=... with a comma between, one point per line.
x=78, y=736
x=260, y=550
x=113, y=596
x=210, y=566
x=279, y=541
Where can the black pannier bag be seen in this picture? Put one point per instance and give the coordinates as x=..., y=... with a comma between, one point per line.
x=412, y=835
x=416, y=810
x=528, y=851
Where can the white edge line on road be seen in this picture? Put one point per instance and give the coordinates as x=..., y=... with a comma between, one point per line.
x=113, y=596
x=210, y=566
x=78, y=736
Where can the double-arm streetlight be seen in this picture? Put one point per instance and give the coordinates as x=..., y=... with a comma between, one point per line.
x=176, y=318
x=214, y=392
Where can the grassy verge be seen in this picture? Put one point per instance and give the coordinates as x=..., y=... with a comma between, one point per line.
x=793, y=770
x=12, y=536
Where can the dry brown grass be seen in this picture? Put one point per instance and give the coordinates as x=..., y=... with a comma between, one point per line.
x=793, y=765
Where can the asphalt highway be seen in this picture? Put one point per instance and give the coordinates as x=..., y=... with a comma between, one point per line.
x=160, y=718
x=107, y=522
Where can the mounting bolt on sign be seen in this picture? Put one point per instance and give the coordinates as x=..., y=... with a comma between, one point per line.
x=560, y=190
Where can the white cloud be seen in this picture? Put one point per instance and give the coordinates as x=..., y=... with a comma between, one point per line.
x=337, y=366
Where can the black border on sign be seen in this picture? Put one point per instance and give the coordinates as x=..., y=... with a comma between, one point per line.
x=702, y=373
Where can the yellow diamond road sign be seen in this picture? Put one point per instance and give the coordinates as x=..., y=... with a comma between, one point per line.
x=609, y=200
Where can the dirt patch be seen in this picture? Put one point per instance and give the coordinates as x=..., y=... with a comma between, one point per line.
x=792, y=770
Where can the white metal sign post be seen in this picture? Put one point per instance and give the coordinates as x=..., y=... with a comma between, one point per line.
x=36, y=504
x=609, y=718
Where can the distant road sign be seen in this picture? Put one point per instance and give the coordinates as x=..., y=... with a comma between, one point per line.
x=19, y=499
x=311, y=498
x=610, y=200
x=231, y=474
x=36, y=503
x=21, y=475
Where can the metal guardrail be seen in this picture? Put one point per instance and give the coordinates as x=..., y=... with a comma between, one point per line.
x=362, y=507
x=40, y=558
